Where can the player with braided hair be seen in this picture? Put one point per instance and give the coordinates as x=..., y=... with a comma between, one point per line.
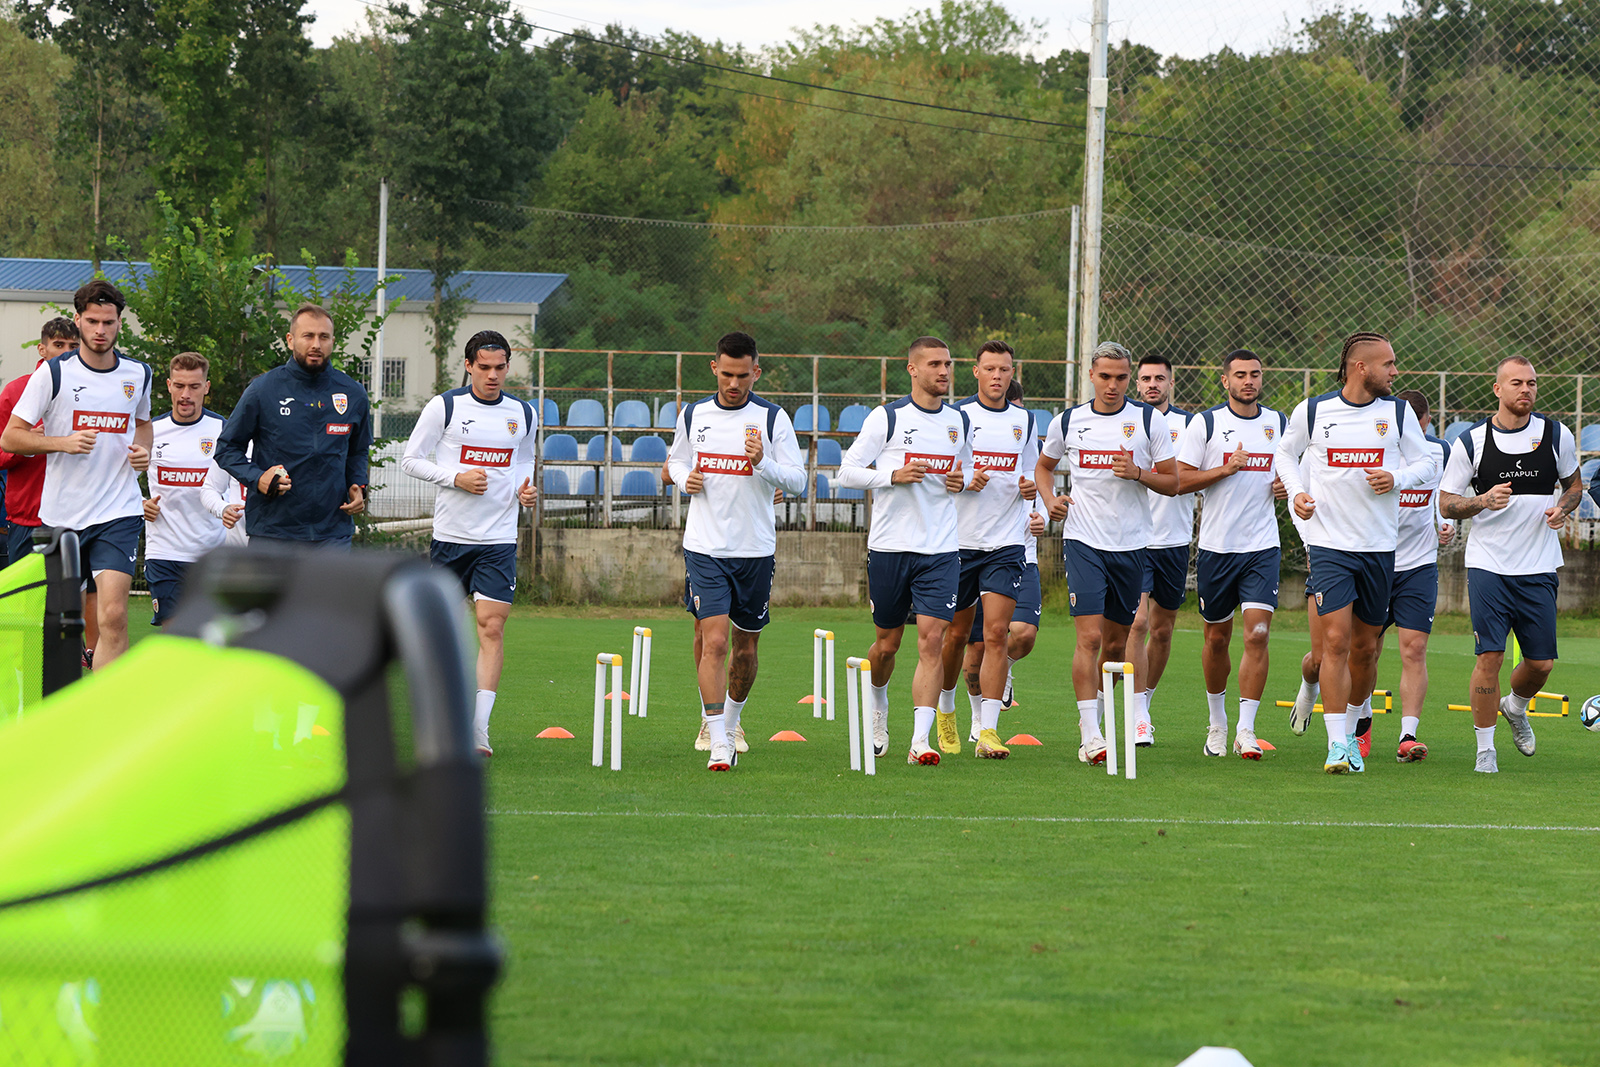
x=1364, y=449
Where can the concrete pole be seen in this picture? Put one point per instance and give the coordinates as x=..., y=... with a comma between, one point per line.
x=375, y=372
x=1093, y=195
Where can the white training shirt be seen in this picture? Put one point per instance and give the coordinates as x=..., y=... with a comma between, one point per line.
x=731, y=517
x=67, y=396
x=1172, y=517
x=1004, y=443
x=1107, y=512
x=917, y=516
x=1240, y=514
x=180, y=462
x=220, y=490
x=1344, y=440
x=464, y=433
x=1515, y=539
x=1418, y=541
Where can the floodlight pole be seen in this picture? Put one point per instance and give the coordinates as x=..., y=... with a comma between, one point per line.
x=375, y=371
x=1093, y=195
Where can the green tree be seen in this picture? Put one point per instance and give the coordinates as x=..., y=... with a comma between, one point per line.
x=29, y=122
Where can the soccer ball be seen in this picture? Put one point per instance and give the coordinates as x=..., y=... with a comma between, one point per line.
x=1589, y=714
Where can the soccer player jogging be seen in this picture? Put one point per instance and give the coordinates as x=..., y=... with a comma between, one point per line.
x=1415, y=593
x=991, y=534
x=25, y=474
x=1365, y=448
x=1228, y=452
x=482, y=441
x=728, y=452
x=178, y=528
x=1115, y=450
x=311, y=429
x=1024, y=628
x=94, y=407
x=910, y=453
x=1503, y=474
x=1165, y=583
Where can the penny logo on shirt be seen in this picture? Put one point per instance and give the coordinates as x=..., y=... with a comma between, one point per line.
x=341, y=402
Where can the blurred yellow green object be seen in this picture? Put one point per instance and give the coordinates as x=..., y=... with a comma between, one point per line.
x=21, y=635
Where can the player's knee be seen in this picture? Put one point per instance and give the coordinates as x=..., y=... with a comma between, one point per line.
x=714, y=643
x=1541, y=667
x=1257, y=634
x=1021, y=644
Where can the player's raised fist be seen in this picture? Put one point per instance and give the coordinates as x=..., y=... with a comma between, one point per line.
x=1036, y=523
x=1381, y=480
x=1122, y=465
x=753, y=448
x=1497, y=497
x=231, y=515
x=1304, y=505
x=980, y=478
x=1237, y=459
x=527, y=493
x=1447, y=533
x=954, y=482
x=152, y=509
x=355, y=501
x=911, y=472
x=80, y=443
x=139, y=457
x=1058, y=508
x=1026, y=487
x=475, y=482
x=1279, y=490
x=694, y=483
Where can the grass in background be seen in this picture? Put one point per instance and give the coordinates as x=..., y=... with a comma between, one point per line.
x=1031, y=910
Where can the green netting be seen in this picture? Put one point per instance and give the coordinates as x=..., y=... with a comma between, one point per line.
x=231, y=957
x=21, y=635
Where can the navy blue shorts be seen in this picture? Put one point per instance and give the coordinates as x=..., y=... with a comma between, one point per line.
x=487, y=572
x=1102, y=583
x=739, y=587
x=165, y=578
x=110, y=546
x=1166, y=576
x=1413, y=598
x=19, y=541
x=902, y=584
x=997, y=571
x=1230, y=580
x=1524, y=604
x=1360, y=578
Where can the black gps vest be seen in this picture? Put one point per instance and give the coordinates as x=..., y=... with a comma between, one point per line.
x=1529, y=473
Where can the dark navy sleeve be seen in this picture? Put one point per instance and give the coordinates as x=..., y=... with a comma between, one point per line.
x=237, y=434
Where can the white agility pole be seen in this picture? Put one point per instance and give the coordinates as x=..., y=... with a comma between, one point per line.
x=858, y=675
x=614, y=661
x=639, y=690
x=852, y=711
x=1108, y=701
x=821, y=662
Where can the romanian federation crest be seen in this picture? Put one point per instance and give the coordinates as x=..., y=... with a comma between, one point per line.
x=206, y=445
x=1269, y=432
x=1127, y=429
x=954, y=436
x=341, y=402
x=1382, y=426
x=511, y=427
x=127, y=389
x=1016, y=433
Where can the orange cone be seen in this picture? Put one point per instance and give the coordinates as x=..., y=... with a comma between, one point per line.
x=809, y=699
x=1266, y=746
x=554, y=731
x=786, y=735
x=1024, y=739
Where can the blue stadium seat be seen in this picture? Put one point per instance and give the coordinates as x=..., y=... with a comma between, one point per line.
x=667, y=417
x=848, y=494
x=802, y=419
x=1586, y=506
x=586, y=413
x=1041, y=421
x=552, y=413
x=632, y=415
x=556, y=484
x=1455, y=429
x=829, y=453
x=595, y=450
x=1589, y=438
x=822, y=487
x=649, y=449
x=560, y=447
x=851, y=418
x=640, y=483
x=586, y=484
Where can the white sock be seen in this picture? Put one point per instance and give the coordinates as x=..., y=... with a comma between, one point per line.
x=717, y=724
x=1219, y=713
x=977, y=706
x=947, y=701
x=731, y=710
x=880, y=697
x=1352, y=717
x=1309, y=691
x=991, y=714
x=1144, y=705
x=1335, y=724
x=1366, y=707
x=1485, y=738
x=1089, y=718
x=1408, y=725
x=1518, y=703
x=1247, y=713
x=485, y=706
x=922, y=722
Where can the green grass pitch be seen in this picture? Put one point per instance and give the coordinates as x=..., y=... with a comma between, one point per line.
x=1032, y=910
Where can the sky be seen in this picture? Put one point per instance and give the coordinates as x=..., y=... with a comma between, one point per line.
x=1172, y=27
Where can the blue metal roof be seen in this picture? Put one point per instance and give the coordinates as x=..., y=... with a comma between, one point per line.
x=481, y=286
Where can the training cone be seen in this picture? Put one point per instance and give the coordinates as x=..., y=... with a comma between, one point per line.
x=553, y=731
x=1024, y=739
x=625, y=696
x=1266, y=746
x=809, y=699
x=786, y=735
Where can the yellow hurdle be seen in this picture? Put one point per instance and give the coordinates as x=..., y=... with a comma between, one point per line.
x=1566, y=706
x=1388, y=703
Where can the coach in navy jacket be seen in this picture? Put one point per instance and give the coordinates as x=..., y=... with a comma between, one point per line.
x=310, y=426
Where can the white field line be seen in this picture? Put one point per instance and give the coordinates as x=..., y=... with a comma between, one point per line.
x=1047, y=819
